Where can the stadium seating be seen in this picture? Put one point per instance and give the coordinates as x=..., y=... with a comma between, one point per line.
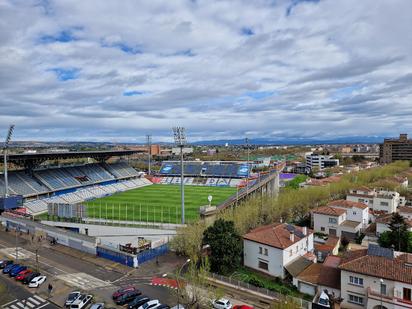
x=121, y=170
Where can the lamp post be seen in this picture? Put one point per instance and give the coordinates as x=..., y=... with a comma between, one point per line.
x=149, y=152
x=5, y=148
x=247, y=150
x=178, y=284
x=180, y=141
x=381, y=284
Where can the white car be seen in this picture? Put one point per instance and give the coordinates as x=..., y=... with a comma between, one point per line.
x=81, y=302
x=150, y=304
x=37, y=281
x=71, y=298
x=97, y=306
x=222, y=303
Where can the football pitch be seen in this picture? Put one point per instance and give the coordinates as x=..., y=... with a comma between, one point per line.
x=156, y=203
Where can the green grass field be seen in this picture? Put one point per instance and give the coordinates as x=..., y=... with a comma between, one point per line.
x=156, y=203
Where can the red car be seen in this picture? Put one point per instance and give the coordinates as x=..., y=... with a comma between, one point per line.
x=123, y=291
x=23, y=274
x=242, y=307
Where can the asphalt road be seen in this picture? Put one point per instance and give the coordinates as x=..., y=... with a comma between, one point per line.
x=18, y=294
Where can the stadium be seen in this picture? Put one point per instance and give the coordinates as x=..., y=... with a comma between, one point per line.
x=110, y=190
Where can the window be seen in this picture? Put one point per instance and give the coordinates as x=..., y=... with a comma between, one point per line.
x=333, y=220
x=406, y=294
x=322, y=228
x=356, y=280
x=384, y=204
x=355, y=299
x=361, y=200
x=266, y=251
x=383, y=289
x=260, y=250
x=263, y=265
x=354, y=213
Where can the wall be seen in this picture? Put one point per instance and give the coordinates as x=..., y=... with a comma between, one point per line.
x=274, y=258
x=298, y=249
x=323, y=221
x=392, y=204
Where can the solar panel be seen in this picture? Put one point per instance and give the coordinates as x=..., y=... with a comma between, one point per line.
x=376, y=250
x=290, y=228
x=299, y=234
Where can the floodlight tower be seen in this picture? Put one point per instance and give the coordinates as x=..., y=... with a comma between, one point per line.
x=248, y=150
x=149, y=153
x=180, y=141
x=5, y=148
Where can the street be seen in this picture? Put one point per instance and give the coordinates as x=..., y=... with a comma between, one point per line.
x=71, y=271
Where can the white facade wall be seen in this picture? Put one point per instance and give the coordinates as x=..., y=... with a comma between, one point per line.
x=406, y=215
x=386, y=204
x=276, y=258
x=322, y=221
x=368, y=201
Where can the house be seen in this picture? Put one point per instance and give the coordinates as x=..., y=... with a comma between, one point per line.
x=382, y=223
x=376, y=278
x=320, y=162
x=405, y=211
x=341, y=218
x=323, y=249
x=320, y=277
x=272, y=248
x=377, y=200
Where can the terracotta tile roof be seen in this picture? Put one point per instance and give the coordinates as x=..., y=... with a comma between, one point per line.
x=386, y=219
x=323, y=247
x=347, y=204
x=319, y=274
x=380, y=267
x=275, y=235
x=350, y=223
x=353, y=254
x=332, y=261
x=405, y=209
x=330, y=211
x=332, y=241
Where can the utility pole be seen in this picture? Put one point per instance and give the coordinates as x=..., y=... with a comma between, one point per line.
x=149, y=152
x=180, y=141
x=247, y=149
x=5, y=149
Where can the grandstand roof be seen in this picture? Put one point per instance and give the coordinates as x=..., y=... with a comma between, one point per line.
x=30, y=159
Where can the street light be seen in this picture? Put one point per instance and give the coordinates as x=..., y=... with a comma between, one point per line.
x=149, y=152
x=381, y=281
x=178, y=284
x=5, y=148
x=180, y=141
x=248, y=149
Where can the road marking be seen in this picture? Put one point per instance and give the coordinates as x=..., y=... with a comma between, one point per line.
x=10, y=302
x=30, y=305
x=22, y=254
x=83, y=281
x=14, y=307
x=39, y=298
x=33, y=301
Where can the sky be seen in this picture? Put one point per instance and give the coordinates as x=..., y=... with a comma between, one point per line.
x=118, y=70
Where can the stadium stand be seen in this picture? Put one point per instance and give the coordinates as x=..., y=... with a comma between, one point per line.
x=121, y=170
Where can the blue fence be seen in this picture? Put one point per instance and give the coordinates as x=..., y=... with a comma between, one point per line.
x=127, y=259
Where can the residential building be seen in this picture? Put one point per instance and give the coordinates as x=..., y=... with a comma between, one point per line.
x=320, y=277
x=405, y=211
x=271, y=248
x=394, y=149
x=325, y=248
x=382, y=223
x=377, y=200
x=376, y=278
x=320, y=162
x=340, y=218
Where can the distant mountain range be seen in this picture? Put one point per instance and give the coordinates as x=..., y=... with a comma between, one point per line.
x=220, y=142
x=296, y=141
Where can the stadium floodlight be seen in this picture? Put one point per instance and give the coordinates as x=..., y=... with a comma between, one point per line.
x=180, y=141
x=149, y=152
x=5, y=148
x=248, y=153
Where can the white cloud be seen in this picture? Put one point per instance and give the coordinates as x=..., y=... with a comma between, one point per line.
x=194, y=62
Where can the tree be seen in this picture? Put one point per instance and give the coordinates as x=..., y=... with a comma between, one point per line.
x=398, y=235
x=225, y=244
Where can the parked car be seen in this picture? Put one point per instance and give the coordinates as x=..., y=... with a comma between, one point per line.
x=9, y=268
x=122, y=291
x=222, y=303
x=138, y=301
x=179, y=306
x=71, y=298
x=22, y=274
x=4, y=263
x=81, y=302
x=150, y=304
x=15, y=271
x=37, y=281
x=162, y=306
x=97, y=306
x=127, y=297
x=242, y=307
x=30, y=277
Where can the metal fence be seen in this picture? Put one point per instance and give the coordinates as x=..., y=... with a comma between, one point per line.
x=275, y=295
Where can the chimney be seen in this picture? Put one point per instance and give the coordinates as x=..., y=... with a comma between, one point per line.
x=305, y=230
x=292, y=237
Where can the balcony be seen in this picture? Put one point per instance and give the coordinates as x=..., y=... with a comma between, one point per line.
x=374, y=297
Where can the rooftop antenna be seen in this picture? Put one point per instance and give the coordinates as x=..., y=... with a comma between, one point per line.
x=180, y=141
x=5, y=148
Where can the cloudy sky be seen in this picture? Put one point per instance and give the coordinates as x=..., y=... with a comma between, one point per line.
x=117, y=70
